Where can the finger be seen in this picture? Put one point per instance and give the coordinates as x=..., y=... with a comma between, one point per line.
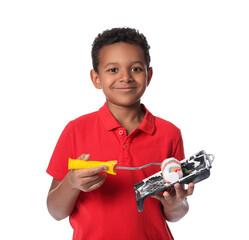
x=180, y=192
x=98, y=183
x=89, y=179
x=88, y=172
x=158, y=197
x=167, y=196
x=84, y=157
x=190, y=189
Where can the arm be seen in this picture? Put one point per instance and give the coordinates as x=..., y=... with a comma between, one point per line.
x=63, y=194
x=175, y=205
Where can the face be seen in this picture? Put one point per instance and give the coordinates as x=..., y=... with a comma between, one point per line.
x=122, y=74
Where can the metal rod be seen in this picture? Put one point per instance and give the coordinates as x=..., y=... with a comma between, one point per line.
x=137, y=168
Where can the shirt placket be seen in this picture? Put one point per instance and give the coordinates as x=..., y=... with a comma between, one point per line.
x=125, y=142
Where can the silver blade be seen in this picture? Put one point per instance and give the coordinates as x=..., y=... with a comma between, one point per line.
x=136, y=168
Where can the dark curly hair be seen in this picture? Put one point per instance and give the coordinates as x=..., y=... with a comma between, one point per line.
x=115, y=35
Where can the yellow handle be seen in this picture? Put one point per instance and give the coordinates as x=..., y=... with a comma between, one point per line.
x=80, y=164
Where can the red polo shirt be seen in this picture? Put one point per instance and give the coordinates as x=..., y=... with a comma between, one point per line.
x=110, y=212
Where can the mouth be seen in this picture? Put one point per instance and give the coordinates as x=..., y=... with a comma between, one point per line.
x=125, y=89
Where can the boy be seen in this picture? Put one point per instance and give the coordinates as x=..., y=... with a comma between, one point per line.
x=101, y=206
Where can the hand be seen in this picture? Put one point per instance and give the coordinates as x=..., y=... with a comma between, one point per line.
x=176, y=195
x=89, y=179
x=174, y=202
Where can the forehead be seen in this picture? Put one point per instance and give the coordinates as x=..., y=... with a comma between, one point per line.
x=121, y=53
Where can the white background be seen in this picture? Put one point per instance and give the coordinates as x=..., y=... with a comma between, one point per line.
x=200, y=57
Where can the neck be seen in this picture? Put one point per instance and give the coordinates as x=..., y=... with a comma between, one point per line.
x=130, y=117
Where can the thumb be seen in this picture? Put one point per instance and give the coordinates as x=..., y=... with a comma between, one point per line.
x=158, y=197
x=84, y=157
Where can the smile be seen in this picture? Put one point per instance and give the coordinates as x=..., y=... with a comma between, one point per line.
x=126, y=89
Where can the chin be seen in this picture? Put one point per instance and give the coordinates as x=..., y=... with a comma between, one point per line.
x=124, y=103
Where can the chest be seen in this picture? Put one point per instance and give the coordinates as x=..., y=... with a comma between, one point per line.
x=133, y=150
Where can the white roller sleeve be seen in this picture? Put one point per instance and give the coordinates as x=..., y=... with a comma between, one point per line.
x=171, y=170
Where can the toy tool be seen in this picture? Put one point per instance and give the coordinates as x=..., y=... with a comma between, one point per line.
x=81, y=164
x=194, y=169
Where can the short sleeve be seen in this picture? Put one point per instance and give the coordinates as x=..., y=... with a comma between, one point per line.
x=58, y=165
x=179, y=148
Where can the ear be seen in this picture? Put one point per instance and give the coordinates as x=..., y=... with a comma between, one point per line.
x=149, y=76
x=95, y=79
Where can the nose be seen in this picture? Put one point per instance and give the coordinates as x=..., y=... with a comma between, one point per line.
x=126, y=76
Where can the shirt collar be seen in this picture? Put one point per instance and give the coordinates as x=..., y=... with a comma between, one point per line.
x=148, y=123
x=110, y=123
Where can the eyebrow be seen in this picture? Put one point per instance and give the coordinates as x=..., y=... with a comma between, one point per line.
x=112, y=63
x=115, y=63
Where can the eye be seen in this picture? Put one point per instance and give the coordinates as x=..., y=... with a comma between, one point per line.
x=113, y=70
x=136, y=69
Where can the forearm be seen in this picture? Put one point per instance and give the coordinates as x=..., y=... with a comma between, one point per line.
x=63, y=195
x=175, y=213
x=61, y=199
x=174, y=202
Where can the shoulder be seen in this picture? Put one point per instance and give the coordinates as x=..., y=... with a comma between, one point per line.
x=162, y=126
x=165, y=125
x=160, y=122
x=82, y=121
